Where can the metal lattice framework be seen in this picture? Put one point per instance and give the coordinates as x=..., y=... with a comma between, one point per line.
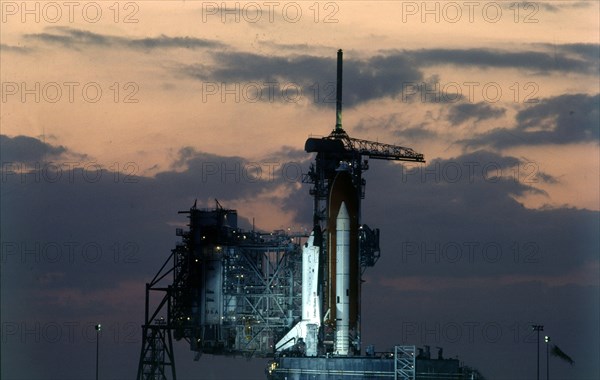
x=157, y=359
x=222, y=290
x=261, y=295
x=377, y=150
x=404, y=362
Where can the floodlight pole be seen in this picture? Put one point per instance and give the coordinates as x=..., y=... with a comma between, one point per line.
x=98, y=328
x=538, y=328
x=547, y=340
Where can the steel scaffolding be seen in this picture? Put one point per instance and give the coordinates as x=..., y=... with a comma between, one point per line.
x=224, y=291
x=404, y=362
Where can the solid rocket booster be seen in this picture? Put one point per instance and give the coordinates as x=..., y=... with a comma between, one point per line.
x=342, y=288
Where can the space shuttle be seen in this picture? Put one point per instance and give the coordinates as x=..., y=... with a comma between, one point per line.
x=342, y=267
x=303, y=337
x=331, y=279
x=326, y=341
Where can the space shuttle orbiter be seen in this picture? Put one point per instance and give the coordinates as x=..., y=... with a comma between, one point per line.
x=307, y=329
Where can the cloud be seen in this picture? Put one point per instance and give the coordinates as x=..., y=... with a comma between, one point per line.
x=459, y=218
x=558, y=6
x=296, y=48
x=460, y=113
x=79, y=247
x=77, y=39
x=388, y=74
x=14, y=49
x=81, y=216
x=563, y=119
x=367, y=79
x=78, y=251
x=397, y=125
x=28, y=150
x=589, y=52
x=392, y=73
x=537, y=61
x=458, y=250
x=418, y=133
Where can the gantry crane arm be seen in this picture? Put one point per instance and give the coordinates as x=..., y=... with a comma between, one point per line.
x=339, y=141
x=382, y=151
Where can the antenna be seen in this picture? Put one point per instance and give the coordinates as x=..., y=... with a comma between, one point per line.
x=338, y=94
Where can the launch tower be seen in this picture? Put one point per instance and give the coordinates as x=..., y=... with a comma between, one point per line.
x=337, y=183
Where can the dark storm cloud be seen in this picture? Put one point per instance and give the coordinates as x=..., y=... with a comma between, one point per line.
x=229, y=177
x=28, y=150
x=372, y=78
x=536, y=61
x=460, y=113
x=132, y=219
x=74, y=206
x=77, y=39
x=469, y=201
x=564, y=119
x=78, y=246
x=458, y=250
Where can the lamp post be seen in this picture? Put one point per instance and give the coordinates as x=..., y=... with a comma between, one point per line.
x=547, y=340
x=98, y=328
x=538, y=328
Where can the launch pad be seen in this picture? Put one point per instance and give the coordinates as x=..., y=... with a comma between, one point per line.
x=397, y=365
x=294, y=298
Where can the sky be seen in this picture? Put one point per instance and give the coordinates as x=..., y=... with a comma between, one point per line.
x=117, y=114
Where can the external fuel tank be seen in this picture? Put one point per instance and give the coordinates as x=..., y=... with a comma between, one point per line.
x=342, y=292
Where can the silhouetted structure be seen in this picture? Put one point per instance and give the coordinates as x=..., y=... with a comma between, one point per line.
x=277, y=295
x=224, y=291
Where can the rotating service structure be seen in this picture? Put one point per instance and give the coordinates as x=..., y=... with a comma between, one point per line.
x=223, y=290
